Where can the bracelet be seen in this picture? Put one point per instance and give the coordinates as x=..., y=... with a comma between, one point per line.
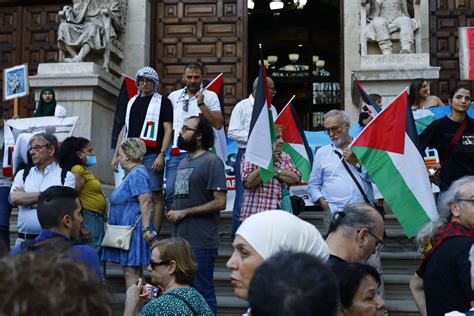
x=145, y=229
x=163, y=153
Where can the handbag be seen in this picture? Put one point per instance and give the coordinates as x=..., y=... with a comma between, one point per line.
x=297, y=204
x=118, y=236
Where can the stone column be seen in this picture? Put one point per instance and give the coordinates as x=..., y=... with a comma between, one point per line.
x=137, y=36
x=88, y=91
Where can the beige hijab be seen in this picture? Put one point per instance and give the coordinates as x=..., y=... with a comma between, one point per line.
x=273, y=231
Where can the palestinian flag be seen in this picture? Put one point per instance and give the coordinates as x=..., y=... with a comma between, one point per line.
x=9, y=145
x=295, y=143
x=262, y=130
x=128, y=90
x=388, y=149
x=220, y=140
x=370, y=105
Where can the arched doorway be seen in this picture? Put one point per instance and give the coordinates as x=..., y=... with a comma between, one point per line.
x=313, y=34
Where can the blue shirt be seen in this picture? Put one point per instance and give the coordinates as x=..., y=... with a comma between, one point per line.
x=330, y=179
x=81, y=252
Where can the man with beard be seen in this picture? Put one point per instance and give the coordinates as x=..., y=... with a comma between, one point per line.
x=337, y=178
x=199, y=195
x=190, y=101
x=59, y=213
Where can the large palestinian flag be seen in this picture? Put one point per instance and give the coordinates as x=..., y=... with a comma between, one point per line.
x=295, y=143
x=262, y=130
x=387, y=148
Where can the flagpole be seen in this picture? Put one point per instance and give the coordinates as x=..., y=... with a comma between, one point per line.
x=218, y=76
x=288, y=103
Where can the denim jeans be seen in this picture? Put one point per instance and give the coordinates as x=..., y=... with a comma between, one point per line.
x=94, y=222
x=171, y=167
x=5, y=211
x=204, y=280
x=239, y=192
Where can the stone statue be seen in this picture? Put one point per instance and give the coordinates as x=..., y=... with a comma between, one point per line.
x=386, y=18
x=88, y=26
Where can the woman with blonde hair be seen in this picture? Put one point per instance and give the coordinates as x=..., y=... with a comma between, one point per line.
x=130, y=204
x=172, y=267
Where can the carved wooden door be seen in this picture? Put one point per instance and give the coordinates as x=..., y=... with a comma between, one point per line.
x=445, y=18
x=211, y=32
x=28, y=34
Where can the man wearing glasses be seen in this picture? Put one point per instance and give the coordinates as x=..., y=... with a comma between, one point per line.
x=45, y=173
x=442, y=282
x=199, y=195
x=192, y=100
x=355, y=233
x=337, y=178
x=149, y=116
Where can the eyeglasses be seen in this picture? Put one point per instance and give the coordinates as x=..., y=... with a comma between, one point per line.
x=334, y=129
x=186, y=128
x=37, y=147
x=380, y=244
x=154, y=264
x=471, y=201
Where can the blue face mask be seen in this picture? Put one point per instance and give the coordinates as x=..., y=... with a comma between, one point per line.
x=91, y=161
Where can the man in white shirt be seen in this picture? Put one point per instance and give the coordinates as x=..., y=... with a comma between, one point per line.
x=190, y=101
x=239, y=126
x=44, y=174
x=330, y=183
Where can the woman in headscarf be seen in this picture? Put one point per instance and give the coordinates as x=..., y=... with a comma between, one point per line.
x=47, y=105
x=264, y=234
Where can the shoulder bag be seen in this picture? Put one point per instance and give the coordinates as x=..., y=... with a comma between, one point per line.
x=118, y=236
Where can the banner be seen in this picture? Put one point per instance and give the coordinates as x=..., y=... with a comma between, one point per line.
x=466, y=52
x=21, y=131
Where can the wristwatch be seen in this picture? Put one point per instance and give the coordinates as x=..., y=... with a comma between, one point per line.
x=145, y=229
x=358, y=165
x=200, y=104
x=163, y=153
x=279, y=172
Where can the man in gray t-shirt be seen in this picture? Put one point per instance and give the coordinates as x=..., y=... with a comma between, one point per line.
x=199, y=195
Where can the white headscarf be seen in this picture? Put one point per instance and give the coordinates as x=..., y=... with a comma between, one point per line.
x=273, y=231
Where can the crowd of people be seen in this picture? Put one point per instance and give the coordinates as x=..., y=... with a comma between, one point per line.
x=280, y=265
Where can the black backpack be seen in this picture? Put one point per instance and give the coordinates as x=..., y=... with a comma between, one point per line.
x=26, y=172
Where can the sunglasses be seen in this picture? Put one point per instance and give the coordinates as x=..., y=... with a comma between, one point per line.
x=154, y=264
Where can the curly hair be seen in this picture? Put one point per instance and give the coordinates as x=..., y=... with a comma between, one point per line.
x=134, y=148
x=50, y=283
x=67, y=154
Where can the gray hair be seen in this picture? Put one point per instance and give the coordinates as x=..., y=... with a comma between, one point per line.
x=134, y=148
x=255, y=83
x=345, y=117
x=352, y=217
x=48, y=139
x=448, y=198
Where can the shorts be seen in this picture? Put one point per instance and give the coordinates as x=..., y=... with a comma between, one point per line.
x=156, y=178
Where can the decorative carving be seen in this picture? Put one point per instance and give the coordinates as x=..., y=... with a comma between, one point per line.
x=91, y=29
x=389, y=20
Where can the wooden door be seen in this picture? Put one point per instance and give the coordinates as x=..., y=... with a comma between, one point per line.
x=445, y=18
x=28, y=34
x=211, y=32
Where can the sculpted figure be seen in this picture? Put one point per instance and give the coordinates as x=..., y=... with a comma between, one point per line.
x=387, y=17
x=88, y=25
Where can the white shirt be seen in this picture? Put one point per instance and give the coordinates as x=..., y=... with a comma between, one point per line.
x=240, y=118
x=330, y=179
x=211, y=100
x=37, y=182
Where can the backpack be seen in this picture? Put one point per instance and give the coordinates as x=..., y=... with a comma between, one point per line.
x=28, y=168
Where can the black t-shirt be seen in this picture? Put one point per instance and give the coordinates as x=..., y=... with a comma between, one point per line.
x=137, y=117
x=447, y=277
x=460, y=161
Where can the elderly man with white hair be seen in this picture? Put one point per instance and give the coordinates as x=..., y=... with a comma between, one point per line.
x=338, y=179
